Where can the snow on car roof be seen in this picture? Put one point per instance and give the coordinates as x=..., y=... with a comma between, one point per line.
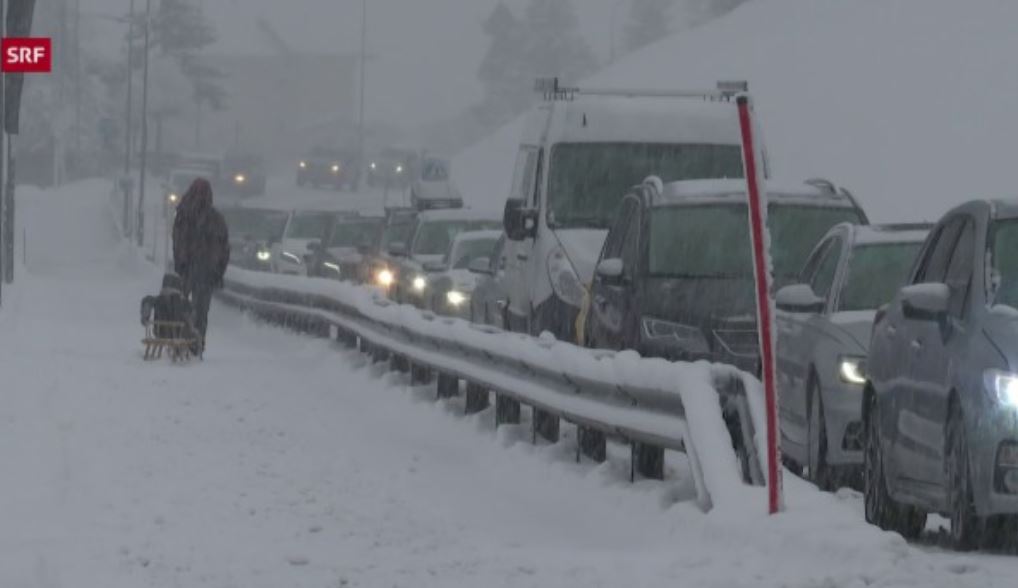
x=478, y=235
x=725, y=190
x=643, y=119
x=1005, y=209
x=879, y=234
x=456, y=214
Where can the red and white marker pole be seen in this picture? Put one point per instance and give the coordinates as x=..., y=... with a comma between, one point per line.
x=764, y=303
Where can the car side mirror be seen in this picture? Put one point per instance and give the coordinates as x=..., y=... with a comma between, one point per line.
x=481, y=265
x=799, y=299
x=314, y=246
x=398, y=249
x=925, y=302
x=433, y=267
x=518, y=221
x=610, y=269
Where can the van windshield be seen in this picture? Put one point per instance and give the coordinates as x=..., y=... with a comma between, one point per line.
x=588, y=180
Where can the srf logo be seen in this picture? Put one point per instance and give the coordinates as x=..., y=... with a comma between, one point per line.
x=27, y=55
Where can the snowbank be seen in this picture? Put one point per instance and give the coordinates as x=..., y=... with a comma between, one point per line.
x=908, y=103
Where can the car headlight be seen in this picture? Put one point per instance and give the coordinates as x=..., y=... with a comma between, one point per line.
x=291, y=257
x=852, y=370
x=455, y=297
x=263, y=255
x=374, y=165
x=385, y=278
x=240, y=178
x=335, y=168
x=419, y=283
x=173, y=198
x=303, y=165
x=564, y=281
x=690, y=339
x=1003, y=386
x=399, y=169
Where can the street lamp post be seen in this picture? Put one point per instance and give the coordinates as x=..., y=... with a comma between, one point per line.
x=360, y=115
x=144, y=129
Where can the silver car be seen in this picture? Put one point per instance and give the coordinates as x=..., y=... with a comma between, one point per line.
x=451, y=282
x=824, y=325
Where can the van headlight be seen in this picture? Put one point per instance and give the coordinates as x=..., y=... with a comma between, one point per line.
x=385, y=278
x=688, y=338
x=240, y=178
x=852, y=370
x=303, y=165
x=1002, y=386
x=564, y=281
x=335, y=168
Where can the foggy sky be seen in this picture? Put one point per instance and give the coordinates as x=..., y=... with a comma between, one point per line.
x=425, y=52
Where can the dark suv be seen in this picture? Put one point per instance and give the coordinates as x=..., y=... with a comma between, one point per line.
x=675, y=275
x=340, y=253
x=940, y=405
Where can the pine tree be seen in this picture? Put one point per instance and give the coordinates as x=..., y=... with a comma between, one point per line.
x=554, y=46
x=503, y=70
x=648, y=22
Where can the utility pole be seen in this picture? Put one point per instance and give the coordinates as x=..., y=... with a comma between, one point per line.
x=130, y=86
x=360, y=116
x=144, y=129
x=77, y=88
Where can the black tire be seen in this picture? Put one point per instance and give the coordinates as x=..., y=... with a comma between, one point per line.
x=881, y=510
x=966, y=525
x=820, y=473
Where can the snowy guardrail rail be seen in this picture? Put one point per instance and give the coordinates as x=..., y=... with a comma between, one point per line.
x=701, y=409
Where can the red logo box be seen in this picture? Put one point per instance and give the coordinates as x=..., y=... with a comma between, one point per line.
x=27, y=55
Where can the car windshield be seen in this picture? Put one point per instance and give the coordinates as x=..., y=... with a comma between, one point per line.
x=469, y=250
x=1004, y=255
x=308, y=225
x=435, y=170
x=259, y=225
x=712, y=240
x=588, y=180
x=352, y=234
x=434, y=238
x=875, y=273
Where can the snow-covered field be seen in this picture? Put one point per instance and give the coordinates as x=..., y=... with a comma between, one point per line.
x=283, y=461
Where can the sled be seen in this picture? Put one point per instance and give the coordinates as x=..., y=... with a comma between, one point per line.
x=171, y=338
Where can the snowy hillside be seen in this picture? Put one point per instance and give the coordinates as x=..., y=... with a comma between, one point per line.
x=908, y=103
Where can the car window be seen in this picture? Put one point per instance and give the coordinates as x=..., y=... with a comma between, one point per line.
x=523, y=179
x=934, y=267
x=823, y=279
x=631, y=243
x=959, y=271
x=497, y=261
x=617, y=233
x=806, y=275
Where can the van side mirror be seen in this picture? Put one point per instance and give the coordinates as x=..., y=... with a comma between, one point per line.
x=518, y=221
x=398, y=249
x=610, y=269
x=925, y=302
x=481, y=265
x=799, y=299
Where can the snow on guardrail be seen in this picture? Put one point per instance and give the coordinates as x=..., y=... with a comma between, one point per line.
x=652, y=401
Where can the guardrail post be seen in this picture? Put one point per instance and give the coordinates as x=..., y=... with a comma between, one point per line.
x=477, y=398
x=448, y=386
x=648, y=461
x=591, y=443
x=399, y=363
x=419, y=374
x=507, y=411
x=545, y=425
x=379, y=354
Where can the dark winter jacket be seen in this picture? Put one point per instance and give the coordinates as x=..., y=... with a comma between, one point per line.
x=201, y=248
x=169, y=306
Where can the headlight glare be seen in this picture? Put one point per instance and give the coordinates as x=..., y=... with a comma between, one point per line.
x=264, y=255
x=303, y=165
x=240, y=178
x=385, y=278
x=419, y=283
x=1003, y=386
x=455, y=297
x=335, y=168
x=852, y=370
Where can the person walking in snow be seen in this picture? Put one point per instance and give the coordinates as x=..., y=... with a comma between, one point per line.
x=201, y=250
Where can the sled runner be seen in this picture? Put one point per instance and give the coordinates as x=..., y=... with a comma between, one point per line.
x=172, y=337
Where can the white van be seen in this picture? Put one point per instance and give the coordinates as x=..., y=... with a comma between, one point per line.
x=580, y=152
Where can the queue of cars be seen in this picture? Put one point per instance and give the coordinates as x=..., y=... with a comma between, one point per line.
x=625, y=228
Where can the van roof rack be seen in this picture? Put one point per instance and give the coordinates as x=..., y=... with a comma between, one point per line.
x=553, y=91
x=829, y=187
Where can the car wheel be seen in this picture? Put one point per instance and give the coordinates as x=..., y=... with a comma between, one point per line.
x=819, y=472
x=881, y=510
x=966, y=526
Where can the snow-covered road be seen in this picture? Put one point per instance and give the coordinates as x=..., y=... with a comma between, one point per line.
x=283, y=461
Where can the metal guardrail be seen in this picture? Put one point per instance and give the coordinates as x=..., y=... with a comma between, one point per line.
x=612, y=395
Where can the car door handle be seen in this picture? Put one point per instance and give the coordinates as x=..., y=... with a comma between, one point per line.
x=916, y=345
